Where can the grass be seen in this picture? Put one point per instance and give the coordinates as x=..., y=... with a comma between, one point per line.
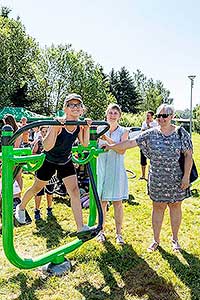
x=110, y=271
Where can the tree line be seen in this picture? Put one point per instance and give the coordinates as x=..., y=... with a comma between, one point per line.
x=40, y=78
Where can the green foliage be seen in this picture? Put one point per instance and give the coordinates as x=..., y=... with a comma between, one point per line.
x=18, y=51
x=123, y=89
x=61, y=70
x=153, y=94
x=132, y=120
x=196, y=116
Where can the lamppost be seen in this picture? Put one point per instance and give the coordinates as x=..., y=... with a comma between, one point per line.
x=191, y=77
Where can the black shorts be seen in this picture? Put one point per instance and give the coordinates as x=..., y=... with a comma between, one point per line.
x=48, y=169
x=143, y=159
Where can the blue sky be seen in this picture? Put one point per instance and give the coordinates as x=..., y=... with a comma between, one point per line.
x=161, y=38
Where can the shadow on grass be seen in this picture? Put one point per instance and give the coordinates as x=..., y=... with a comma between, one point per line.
x=131, y=201
x=195, y=193
x=51, y=231
x=62, y=199
x=27, y=290
x=137, y=278
x=189, y=274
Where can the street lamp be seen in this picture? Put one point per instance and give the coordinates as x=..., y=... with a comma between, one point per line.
x=191, y=77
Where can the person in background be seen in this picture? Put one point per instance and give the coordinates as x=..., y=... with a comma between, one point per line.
x=167, y=185
x=48, y=190
x=25, y=135
x=112, y=181
x=58, y=149
x=10, y=120
x=147, y=124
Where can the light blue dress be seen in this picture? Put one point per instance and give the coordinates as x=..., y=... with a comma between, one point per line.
x=112, y=181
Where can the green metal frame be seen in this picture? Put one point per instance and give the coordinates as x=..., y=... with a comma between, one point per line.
x=14, y=157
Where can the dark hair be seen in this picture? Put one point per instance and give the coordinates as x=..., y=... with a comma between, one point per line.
x=151, y=113
x=10, y=120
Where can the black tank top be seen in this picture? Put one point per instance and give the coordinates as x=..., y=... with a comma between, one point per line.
x=60, y=154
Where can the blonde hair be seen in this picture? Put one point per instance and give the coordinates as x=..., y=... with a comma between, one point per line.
x=114, y=106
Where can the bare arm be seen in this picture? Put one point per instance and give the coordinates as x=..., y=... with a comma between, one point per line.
x=107, y=139
x=123, y=138
x=35, y=148
x=187, y=169
x=84, y=134
x=50, y=139
x=17, y=142
x=122, y=146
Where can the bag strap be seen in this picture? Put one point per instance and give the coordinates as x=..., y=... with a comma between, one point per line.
x=179, y=132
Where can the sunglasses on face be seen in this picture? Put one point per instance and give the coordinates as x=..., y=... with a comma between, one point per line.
x=164, y=116
x=73, y=105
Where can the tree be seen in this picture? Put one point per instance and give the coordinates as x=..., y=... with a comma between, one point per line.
x=123, y=89
x=152, y=93
x=61, y=70
x=18, y=52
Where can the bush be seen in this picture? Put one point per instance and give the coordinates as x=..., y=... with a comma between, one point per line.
x=132, y=120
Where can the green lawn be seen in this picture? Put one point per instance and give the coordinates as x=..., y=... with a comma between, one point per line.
x=110, y=271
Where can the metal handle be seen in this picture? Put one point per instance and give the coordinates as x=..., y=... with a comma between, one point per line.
x=56, y=123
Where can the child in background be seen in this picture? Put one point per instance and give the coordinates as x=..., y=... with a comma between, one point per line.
x=48, y=190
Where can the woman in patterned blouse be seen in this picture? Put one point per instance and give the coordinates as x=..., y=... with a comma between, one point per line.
x=167, y=186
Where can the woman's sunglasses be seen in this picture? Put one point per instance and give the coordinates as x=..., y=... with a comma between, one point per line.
x=164, y=116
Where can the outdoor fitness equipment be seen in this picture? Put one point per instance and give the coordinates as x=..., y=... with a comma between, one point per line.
x=12, y=157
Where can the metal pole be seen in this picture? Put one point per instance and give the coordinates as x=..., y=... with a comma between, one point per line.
x=191, y=108
x=191, y=77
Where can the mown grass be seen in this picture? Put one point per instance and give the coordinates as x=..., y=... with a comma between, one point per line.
x=110, y=271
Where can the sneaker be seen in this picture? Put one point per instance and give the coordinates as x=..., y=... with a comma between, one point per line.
x=20, y=215
x=119, y=239
x=37, y=214
x=175, y=246
x=101, y=238
x=153, y=247
x=49, y=212
x=84, y=228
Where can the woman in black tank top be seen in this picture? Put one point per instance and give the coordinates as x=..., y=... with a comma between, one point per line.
x=57, y=147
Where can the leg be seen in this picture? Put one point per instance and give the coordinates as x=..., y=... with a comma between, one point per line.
x=32, y=191
x=38, y=202
x=175, y=218
x=157, y=219
x=118, y=214
x=101, y=236
x=143, y=163
x=71, y=185
x=143, y=171
x=49, y=199
x=104, y=209
x=19, y=179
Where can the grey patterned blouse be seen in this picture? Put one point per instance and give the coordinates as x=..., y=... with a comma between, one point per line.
x=165, y=175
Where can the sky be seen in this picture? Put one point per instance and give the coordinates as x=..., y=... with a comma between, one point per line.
x=160, y=38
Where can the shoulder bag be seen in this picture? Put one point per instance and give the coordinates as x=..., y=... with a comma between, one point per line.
x=194, y=173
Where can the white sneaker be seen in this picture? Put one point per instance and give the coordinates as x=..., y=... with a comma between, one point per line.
x=119, y=239
x=101, y=238
x=20, y=215
x=84, y=228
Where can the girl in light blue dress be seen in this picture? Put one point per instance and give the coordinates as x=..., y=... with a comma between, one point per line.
x=112, y=181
